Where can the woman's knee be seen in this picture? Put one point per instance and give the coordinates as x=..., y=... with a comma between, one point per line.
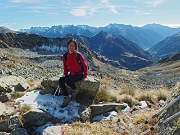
x=61, y=80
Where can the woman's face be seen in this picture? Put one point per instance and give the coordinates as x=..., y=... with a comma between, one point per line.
x=71, y=47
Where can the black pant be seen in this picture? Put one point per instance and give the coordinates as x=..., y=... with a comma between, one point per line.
x=70, y=81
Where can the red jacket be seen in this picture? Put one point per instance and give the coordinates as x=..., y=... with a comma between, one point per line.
x=71, y=65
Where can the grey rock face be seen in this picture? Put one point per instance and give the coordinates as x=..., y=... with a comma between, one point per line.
x=33, y=118
x=10, y=124
x=86, y=89
x=103, y=108
x=19, y=131
x=10, y=83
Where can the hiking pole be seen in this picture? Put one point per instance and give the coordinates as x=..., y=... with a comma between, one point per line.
x=164, y=122
x=57, y=98
x=158, y=113
x=53, y=98
x=171, y=117
x=150, y=129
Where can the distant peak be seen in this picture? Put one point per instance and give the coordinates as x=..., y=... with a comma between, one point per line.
x=4, y=29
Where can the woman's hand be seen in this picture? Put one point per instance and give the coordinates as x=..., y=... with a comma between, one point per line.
x=85, y=79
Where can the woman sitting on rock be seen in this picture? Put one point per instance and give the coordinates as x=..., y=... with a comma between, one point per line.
x=74, y=71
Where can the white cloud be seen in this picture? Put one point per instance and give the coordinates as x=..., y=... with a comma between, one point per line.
x=78, y=12
x=91, y=11
x=153, y=3
x=110, y=6
x=90, y=7
x=138, y=12
x=23, y=1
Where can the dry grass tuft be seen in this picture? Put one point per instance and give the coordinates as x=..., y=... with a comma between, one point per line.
x=13, y=58
x=104, y=96
x=23, y=109
x=105, y=80
x=161, y=95
x=35, y=84
x=97, y=128
x=142, y=117
x=128, y=90
x=129, y=100
x=146, y=96
x=15, y=95
x=178, y=123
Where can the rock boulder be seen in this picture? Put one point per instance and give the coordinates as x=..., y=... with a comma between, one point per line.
x=87, y=89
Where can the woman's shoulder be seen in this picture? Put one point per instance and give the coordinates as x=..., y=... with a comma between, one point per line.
x=65, y=55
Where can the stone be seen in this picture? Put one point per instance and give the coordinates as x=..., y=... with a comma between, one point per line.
x=4, y=97
x=53, y=130
x=87, y=89
x=9, y=81
x=19, y=131
x=3, y=108
x=10, y=124
x=97, y=109
x=47, y=90
x=51, y=82
x=84, y=112
x=4, y=133
x=36, y=118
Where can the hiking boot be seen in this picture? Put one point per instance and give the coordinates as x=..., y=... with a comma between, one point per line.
x=74, y=94
x=66, y=101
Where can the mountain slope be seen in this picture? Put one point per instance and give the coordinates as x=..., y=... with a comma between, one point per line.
x=6, y=30
x=166, y=48
x=145, y=38
x=41, y=45
x=166, y=71
x=162, y=30
x=116, y=49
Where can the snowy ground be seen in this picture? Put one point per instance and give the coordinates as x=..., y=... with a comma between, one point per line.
x=52, y=104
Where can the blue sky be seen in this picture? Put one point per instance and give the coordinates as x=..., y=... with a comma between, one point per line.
x=23, y=14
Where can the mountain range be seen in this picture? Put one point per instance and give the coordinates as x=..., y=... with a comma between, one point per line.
x=150, y=37
x=145, y=36
x=114, y=49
